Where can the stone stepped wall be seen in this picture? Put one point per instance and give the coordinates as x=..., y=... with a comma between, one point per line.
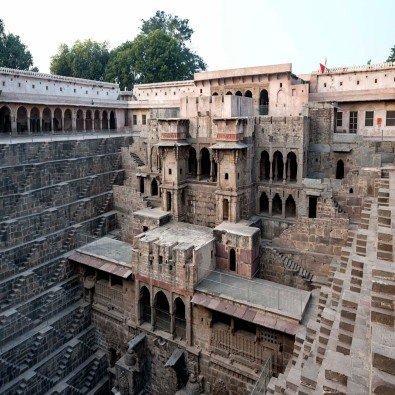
x=54, y=197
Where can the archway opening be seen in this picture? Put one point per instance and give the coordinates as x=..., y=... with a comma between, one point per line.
x=340, y=170
x=290, y=207
x=35, y=120
x=96, y=122
x=145, y=305
x=104, y=121
x=205, y=163
x=215, y=94
x=162, y=312
x=192, y=162
x=154, y=187
x=238, y=93
x=68, y=125
x=168, y=201
x=113, y=121
x=248, y=94
x=229, y=93
x=5, y=120
x=264, y=203
x=141, y=184
x=47, y=127
x=264, y=166
x=232, y=260
x=263, y=102
x=277, y=205
x=88, y=120
x=80, y=120
x=57, y=120
x=292, y=167
x=225, y=209
x=179, y=317
x=21, y=120
x=278, y=166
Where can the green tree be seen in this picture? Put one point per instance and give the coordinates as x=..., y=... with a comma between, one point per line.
x=391, y=58
x=85, y=59
x=13, y=53
x=173, y=25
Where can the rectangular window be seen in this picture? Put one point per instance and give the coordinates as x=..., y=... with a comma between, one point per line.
x=353, y=121
x=144, y=119
x=390, y=120
x=369, y=116
x=134, y=119
x=339, y=119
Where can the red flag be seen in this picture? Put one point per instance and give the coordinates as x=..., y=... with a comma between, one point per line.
x=322, y=67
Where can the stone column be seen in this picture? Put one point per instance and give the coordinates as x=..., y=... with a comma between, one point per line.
x=212, y=170
x=172, y=318
x=137, y=302
x=270, y=205
x=153, y=315
x=285, y=165
x=270, y=172
x=28, y=125
x=198, y=170
x=188, y=318
x=40, y=123
x=64, y=123
x=73, y=122
x=283, y=208
x=288, y=170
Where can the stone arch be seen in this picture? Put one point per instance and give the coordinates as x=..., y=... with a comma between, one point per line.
x=264, y=203
x=215, y=94
x=277, y=205
x=68, y=124
x=229, y=93
x=232, y=260
x=180, y=318
x=278, y=166
x=113, y=120
x=263, y=102
x=339, y=170
x=192, y=162
x=238, y=93
x=104, y=120
x=35, y=120
x=162, y=312
x=57, y=120
x=264, y=166
x=154, y=187
x=280, y=97
x=248, y=93
x=80, y=120
x=96, y=121
x=21, y=120
x=292, y=167
x=205, y=163
x=5, y=119
x=290, y=207
x=88, y=120
x=145, y=304
x=47, y=118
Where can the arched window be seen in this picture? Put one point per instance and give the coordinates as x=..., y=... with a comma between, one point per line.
x=278, y=166
x=113, y=121
x=263, y=203
x=21, y=120
x=145, y=305
x=229, y=93
x=232, y=260
x=180, y=321
x=192, y=162
x=154, y=187
x=96, y=122
x=162, y=314
x=263, y=102
x=351, y=190
x=205, y=163
x=277, y=205
x=80, y=122
x=104, y=121
x=292, y=167
x=57, y=120
x=225, y=209
x=215, y=94
x=248, y=94
x=238, y=93
x=5, y=120
x=264, y=166
x=290, y=207
x=47, y=127
x=68, y=126
x=88, y=120
x=340, y=170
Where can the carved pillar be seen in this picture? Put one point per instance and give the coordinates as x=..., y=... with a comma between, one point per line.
x=283, y=208
x=270, y=205
x=271, y=171
x=28, y=125
x=288, y=170
x=285, y=171
x=212, y=170
x=276, y=168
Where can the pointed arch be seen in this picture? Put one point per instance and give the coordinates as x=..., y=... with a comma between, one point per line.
x=248, y=93
x=154, y=187
x=21, y=120
x=57, y=120
x=290, y=207
x=264, y=203
x=278, y=166
x=88, y=120
x=68, y=125
x=145, y=304
x=162, y=312
x=5, y=119
x=277, y=205
x=263, y=102
x=264, y=166
x=292, y=167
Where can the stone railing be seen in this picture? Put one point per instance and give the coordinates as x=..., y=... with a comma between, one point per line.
x=108, y=296
x=365, y=67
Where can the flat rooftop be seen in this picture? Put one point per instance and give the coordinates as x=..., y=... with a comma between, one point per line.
x=180, y=233
x=261, y=294
x=152, y=213
x=240, y=228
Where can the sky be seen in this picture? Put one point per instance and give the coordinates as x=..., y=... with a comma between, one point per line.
x=228, y=33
